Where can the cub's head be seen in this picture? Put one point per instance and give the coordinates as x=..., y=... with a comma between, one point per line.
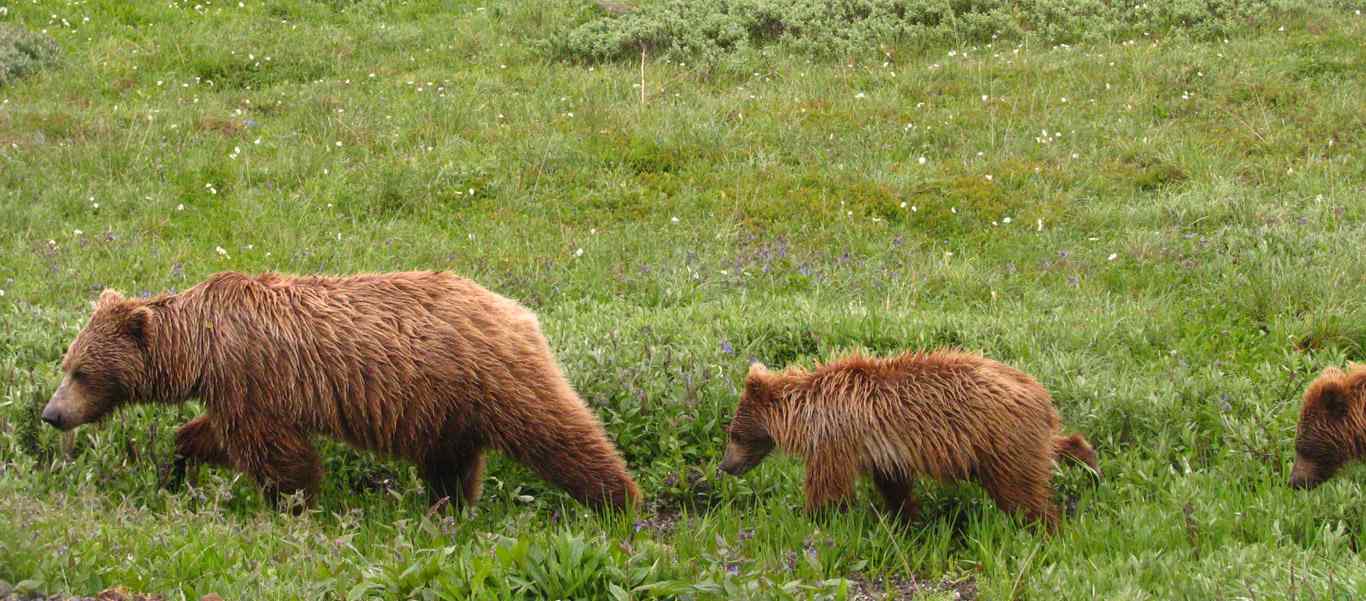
x=1330, y=426
x=105, y=365
x=749, y=437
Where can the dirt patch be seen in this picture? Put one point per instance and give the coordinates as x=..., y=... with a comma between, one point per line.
x=21, y=592
x=118, y=593
x=661, y=519
x=865, y=588
x=220, y=125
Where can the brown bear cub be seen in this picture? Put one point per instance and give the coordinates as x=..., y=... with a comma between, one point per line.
x=425, y=366
x=1332, y=429
x=947, y=415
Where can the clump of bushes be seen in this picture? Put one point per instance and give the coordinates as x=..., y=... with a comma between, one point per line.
x=708, y=30
x=23, y=52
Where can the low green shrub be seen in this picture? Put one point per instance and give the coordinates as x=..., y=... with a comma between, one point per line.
x=23, y=52
x=708, y=30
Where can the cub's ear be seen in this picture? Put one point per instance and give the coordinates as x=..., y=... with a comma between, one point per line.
x=1331, y=396
x=137, y=323
x=757, y=382
x=108, y=298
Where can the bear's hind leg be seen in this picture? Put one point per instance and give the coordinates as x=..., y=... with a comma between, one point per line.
x=1023, y=488
x=568, y=448
x=896, y=490
x=455, y=472
x=587, y=467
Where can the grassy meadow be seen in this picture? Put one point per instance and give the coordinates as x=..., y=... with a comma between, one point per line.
x=1167, y=228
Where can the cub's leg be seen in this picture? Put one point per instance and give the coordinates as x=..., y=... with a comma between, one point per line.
x=896, y=490
x=829, y=483
x=1023, y=487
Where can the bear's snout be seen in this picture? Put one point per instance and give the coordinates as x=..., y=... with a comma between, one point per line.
x=730, y=466
x=62, y=410
x=1302, y=477
x=53, y=416
x=739, y=459
x=732, y=462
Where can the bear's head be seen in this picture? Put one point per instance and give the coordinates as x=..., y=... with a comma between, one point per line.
x=750, y=439
x=106, y=364
x=1331, y=428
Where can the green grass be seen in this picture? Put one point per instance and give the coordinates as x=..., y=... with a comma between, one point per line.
x=1165, y=229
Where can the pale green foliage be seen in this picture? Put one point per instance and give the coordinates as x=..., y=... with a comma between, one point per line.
x=23, y=52
x=709, y=30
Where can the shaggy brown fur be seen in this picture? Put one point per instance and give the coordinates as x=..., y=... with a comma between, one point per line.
x=425, y=366
x=1332, y=429
x=948, y=415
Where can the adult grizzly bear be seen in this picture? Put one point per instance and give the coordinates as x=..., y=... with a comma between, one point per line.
x=426, y=366
x=1332, y=428
x=948, y=415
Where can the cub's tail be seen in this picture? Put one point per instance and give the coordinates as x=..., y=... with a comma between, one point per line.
x=1076, y=447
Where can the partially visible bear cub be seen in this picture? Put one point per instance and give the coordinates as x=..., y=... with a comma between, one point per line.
x=1332, y=429
x=947, y=415
x=426, y=366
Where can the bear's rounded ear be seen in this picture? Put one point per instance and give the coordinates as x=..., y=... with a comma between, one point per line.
x=108, y=297
x=137, y=323
x=1331, y=396
x=756, y=382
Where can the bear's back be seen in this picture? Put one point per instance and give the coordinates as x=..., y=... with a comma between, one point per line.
x=933, y=413
x=358, y=356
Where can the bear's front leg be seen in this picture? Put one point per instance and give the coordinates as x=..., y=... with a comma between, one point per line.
x=829, y=484
x=282, y=463
x=196, y=442
x=1022, y=486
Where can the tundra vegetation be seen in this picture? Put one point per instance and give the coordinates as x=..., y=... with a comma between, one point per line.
x=1156, y=209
